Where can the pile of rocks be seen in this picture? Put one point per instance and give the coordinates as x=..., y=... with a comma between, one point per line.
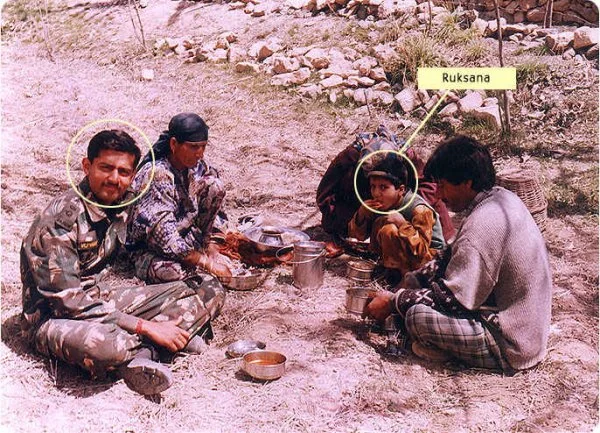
x=582, y=41
x=516, y=11
x=583, y=12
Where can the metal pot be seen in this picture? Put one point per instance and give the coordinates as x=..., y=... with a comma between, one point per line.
x=358, y=299
x=264, y=364
x=308, y=262
x=360, y=270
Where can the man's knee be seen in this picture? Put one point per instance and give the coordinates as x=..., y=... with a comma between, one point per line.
x=417, y=324
x=95, y=347
x=210, y=291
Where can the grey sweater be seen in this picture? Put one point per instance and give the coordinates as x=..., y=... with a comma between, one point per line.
x=499, y=262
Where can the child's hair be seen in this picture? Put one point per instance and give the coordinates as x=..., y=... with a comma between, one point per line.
x=392, y=168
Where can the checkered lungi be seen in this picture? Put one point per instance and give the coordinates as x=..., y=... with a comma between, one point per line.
x=459, y=335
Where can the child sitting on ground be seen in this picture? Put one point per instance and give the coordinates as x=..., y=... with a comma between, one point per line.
x=405, y=239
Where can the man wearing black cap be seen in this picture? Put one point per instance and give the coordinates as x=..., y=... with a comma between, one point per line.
x=170, y=225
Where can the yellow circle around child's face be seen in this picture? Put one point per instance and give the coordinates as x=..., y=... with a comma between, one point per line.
x=362, y=161
x=95, y=124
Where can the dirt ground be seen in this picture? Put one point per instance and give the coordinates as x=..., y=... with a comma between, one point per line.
x=271, y=148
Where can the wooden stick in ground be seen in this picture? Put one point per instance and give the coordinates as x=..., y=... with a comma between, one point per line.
x=505, y=115
x=548, y=13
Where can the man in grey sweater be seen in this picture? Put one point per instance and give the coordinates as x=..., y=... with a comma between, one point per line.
x=487, y=300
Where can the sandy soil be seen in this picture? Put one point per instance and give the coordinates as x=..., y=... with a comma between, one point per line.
x=271, y=147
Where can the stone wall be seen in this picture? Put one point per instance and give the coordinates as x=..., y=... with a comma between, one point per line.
x=580, y=12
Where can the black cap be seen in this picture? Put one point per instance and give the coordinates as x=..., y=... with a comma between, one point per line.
x=188, y=127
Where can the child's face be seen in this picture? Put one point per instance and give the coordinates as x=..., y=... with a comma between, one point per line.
x=385, y=193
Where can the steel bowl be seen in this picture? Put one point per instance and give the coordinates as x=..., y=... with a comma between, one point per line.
x=264, y=364
x=357, y=299
x=360, y=270
x=243, y=282
x=239, y=348
x=287, y=237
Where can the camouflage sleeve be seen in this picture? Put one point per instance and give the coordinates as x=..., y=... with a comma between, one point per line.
x=55, y=268
x=154, y=219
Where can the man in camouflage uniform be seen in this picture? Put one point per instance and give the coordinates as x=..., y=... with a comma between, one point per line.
x=170, y=226
x=69, y=314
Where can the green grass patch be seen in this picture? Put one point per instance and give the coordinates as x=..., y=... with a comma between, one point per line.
x=414, y=52
x=573, y=193
x=475, y=50
x=531, y=72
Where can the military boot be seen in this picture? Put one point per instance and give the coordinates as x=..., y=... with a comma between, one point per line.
x=145, y=376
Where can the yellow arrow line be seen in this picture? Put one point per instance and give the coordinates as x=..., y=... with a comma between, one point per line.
x=424, y=121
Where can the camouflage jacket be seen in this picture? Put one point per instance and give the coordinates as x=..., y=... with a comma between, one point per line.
x=163, y=219
x=67, y=244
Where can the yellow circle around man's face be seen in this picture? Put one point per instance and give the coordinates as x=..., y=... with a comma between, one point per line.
x=362, y=161
x=108, y=189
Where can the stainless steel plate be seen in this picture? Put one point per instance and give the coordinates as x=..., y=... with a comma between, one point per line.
x=239, y=348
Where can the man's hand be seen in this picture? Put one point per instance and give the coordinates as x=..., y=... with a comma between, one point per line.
x=217, y=268
x=166, y=334
x=380, y=307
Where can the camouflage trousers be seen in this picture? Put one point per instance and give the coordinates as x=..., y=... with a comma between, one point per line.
x=99, y=347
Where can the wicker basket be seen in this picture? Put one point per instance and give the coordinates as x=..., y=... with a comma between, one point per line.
x=525, y=184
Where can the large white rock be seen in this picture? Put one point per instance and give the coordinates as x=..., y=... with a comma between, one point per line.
x=487, y=102
x=300, y=76
x=378, y=74
x=585, y=37
x=312, y=91
x=384, y=53
x=363, y=96
x=490, y=114
x=449, y=110
x=382, y=98
x=260, y=10
x=237, y=54
x=479, y=26
x=365, y=81
x=560, y=42
x=263, y=49
x=217, y=56
x=245, y=67
x=299, y=51
x=283, y=64
x=388, y=8
x=318, y=58
x=432, y=101
x=384, y=86
x=492, y=27
x=364, y=65
x=297, y=4
x=407, y=100
x=470, y=102
x=332, y=81
x=341, y=67
x=351, y=82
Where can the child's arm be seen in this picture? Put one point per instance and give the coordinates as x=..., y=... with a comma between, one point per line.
x=419, y=230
